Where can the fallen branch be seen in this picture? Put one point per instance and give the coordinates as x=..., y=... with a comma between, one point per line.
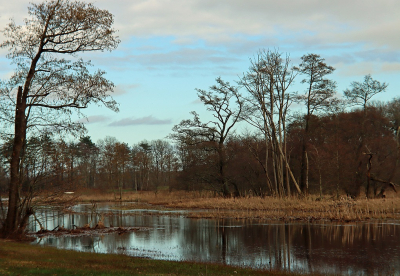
x=76, y=231
x=391, y=184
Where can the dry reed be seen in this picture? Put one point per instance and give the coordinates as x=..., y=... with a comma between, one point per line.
x=206, y=205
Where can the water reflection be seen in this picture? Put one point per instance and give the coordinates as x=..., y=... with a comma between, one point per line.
x=358, y=248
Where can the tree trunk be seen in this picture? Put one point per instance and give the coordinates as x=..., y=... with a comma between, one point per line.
x=306, y=173
x=222, y=179
x=24, y=220
x=11, y=223
x=303, y=171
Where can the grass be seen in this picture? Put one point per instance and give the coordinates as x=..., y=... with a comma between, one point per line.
x=26, y=259
x=205, y=205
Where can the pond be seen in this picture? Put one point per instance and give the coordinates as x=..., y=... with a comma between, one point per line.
x=368, y=248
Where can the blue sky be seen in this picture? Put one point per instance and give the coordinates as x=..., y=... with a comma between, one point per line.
x=171, y=47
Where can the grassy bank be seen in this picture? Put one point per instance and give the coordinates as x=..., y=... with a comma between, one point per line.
x=25, y=259
x=310, y=208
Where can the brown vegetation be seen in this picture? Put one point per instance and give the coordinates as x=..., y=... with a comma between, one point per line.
x=206, y=205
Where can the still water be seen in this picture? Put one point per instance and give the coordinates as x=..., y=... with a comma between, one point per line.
x=371, y=248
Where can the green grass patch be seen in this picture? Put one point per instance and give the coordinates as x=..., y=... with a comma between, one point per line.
x=26, y=259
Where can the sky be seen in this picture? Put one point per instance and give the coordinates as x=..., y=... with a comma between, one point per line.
x=171, y=47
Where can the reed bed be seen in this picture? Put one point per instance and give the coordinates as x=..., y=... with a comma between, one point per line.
x=207, y=205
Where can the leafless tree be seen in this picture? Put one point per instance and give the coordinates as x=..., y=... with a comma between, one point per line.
x=319, y=95
x=361, y=92
x=49, y=87
x=225, y=103
x=267, y=82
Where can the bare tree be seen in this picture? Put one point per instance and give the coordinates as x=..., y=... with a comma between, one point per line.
x=320, y=95
x=108, y=162
x=162, y=154
x=362, y=92
x=142, y=155
x=267, y=83
x=122, y=152
x=225, y=103
x=50, y=87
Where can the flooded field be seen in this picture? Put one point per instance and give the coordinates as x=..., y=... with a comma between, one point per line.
x=356, y=248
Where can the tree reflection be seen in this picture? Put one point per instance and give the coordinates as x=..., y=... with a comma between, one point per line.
x=360, y=248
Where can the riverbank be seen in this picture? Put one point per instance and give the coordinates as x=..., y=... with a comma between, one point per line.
x=26, y=259
x=205, y=205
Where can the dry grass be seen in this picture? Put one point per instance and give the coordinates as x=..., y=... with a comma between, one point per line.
x=205, y=205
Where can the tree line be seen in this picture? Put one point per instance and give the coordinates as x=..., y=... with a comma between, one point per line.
x=330, y=143
x=52, y=163
x=353, y=152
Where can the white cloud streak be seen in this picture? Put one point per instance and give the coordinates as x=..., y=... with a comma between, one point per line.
x=148, y=120
x=124, y=89
x=94, y=119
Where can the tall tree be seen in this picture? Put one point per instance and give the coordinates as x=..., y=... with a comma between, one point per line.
x=88, y=153
x=50, y=87
x=108, y=160
x=318, y=96
x=267, y=82
x=225, y=103
x=360, y=94
x=141, y=160
x=122, y=156
x=162, y=151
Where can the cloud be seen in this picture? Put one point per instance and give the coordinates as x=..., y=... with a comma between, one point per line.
x=368, y=67
x=94, y=119
x=148, y=120
x=211, y=20
x=174, y=61
x=181, y=57
x=391, y=67
x=197, y=101
x=371, y=21
x=122, y=89
x=379, y=55
x=221, y=29
x=358, y=69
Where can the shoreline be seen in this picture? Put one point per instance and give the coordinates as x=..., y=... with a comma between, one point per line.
x=18, y=258
x=202, y=205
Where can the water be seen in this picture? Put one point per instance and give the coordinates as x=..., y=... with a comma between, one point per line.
x=371, y=248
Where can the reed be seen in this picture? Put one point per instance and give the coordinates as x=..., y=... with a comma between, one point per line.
x=206, y=205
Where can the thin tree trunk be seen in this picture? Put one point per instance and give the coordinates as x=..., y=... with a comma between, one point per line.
x=337, y=174
x=223, y=181
x=290, y=172
x=306, y=172
x=287, y=171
